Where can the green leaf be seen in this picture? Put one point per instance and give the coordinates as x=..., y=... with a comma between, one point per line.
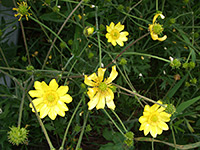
x=186, y=104
x=176, y=87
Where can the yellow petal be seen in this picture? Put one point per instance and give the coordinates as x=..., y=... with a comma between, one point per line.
x=163, y=125
x=159, y=130
x=146, y=108
x=59, y=112
x=147, y=129
x=113, y=42
x=150, y=28
x=35, y=93
x=153, y=131
x=37, y=85
x=119, y=27
x=110, y=28
x=101, y=102
x=162, y=38
x=92, y=92
x=62, y=106
x=88, y=79
x=120, y=42
x=52, y=114
x=142, y=119
x=44, y=111
x=156, y=16
x=66, y=98
x=101, y=72
x=154, y=36
x=53, y=84
x=123, y=36
x=112, y=76
x=109, y=99
x=45, y=87
x=62, y=90
x=165, y=116
x=93, y=102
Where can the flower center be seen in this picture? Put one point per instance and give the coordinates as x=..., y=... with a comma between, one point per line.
x=115, y=34
x=103, y=86
x=23, y=9
x=157, y=28
x=154, y=118
x=50, y=98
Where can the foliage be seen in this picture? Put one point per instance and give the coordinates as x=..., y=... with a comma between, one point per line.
x=66, y=40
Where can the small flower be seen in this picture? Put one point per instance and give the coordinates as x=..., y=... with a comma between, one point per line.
x=17, y=135
x=156, y=29
x=153, y=120
x=115, y=36
x=50, y=99
x=88, y=31
x=22, y=10
x=101, y=92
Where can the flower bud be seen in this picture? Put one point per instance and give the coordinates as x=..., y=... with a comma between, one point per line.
x=88, y=31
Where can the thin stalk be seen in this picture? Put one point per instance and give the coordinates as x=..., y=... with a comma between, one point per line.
x=40, y=23
x=70, y=121
x=20, y=110
x=173, y=135
x=4, y=58
x=24, y=37
x=127, y=48
x=97, y=28
x=119, y=120
x=114, y=123
x=82, y=131
x=134, y=93
x=152, y=143
x=61, y=28
x=156, y=5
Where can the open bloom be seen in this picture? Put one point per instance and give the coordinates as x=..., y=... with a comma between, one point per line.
x=156, y=29
x=100, y=91
x=115, y=36
x=153, y=120
x=50, y=99
x=22, y=10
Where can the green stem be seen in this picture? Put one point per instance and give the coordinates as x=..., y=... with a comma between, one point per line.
x=114, y=123
x=20, y=110
x=152, y=143
x=41, y=124
x=134, y=93
x=173, y=135
x=99, y=43
x=4, y=58
x=70, y=121
x=82, y=131
x=119, y=120
x=156, y=5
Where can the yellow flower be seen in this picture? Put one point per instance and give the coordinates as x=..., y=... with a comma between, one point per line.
x=153, y=120
x=50, y=99
x=88, y=31
x=22, y=10
x=100, y=92
x=156, y=29
x=115, y=36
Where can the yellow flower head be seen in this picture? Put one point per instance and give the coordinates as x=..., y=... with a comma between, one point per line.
x=115, y=36
x=100, y=91
x=156, y=29
x=88, y=31
x=50, y=99
x=22, y=10
x=153, y=120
